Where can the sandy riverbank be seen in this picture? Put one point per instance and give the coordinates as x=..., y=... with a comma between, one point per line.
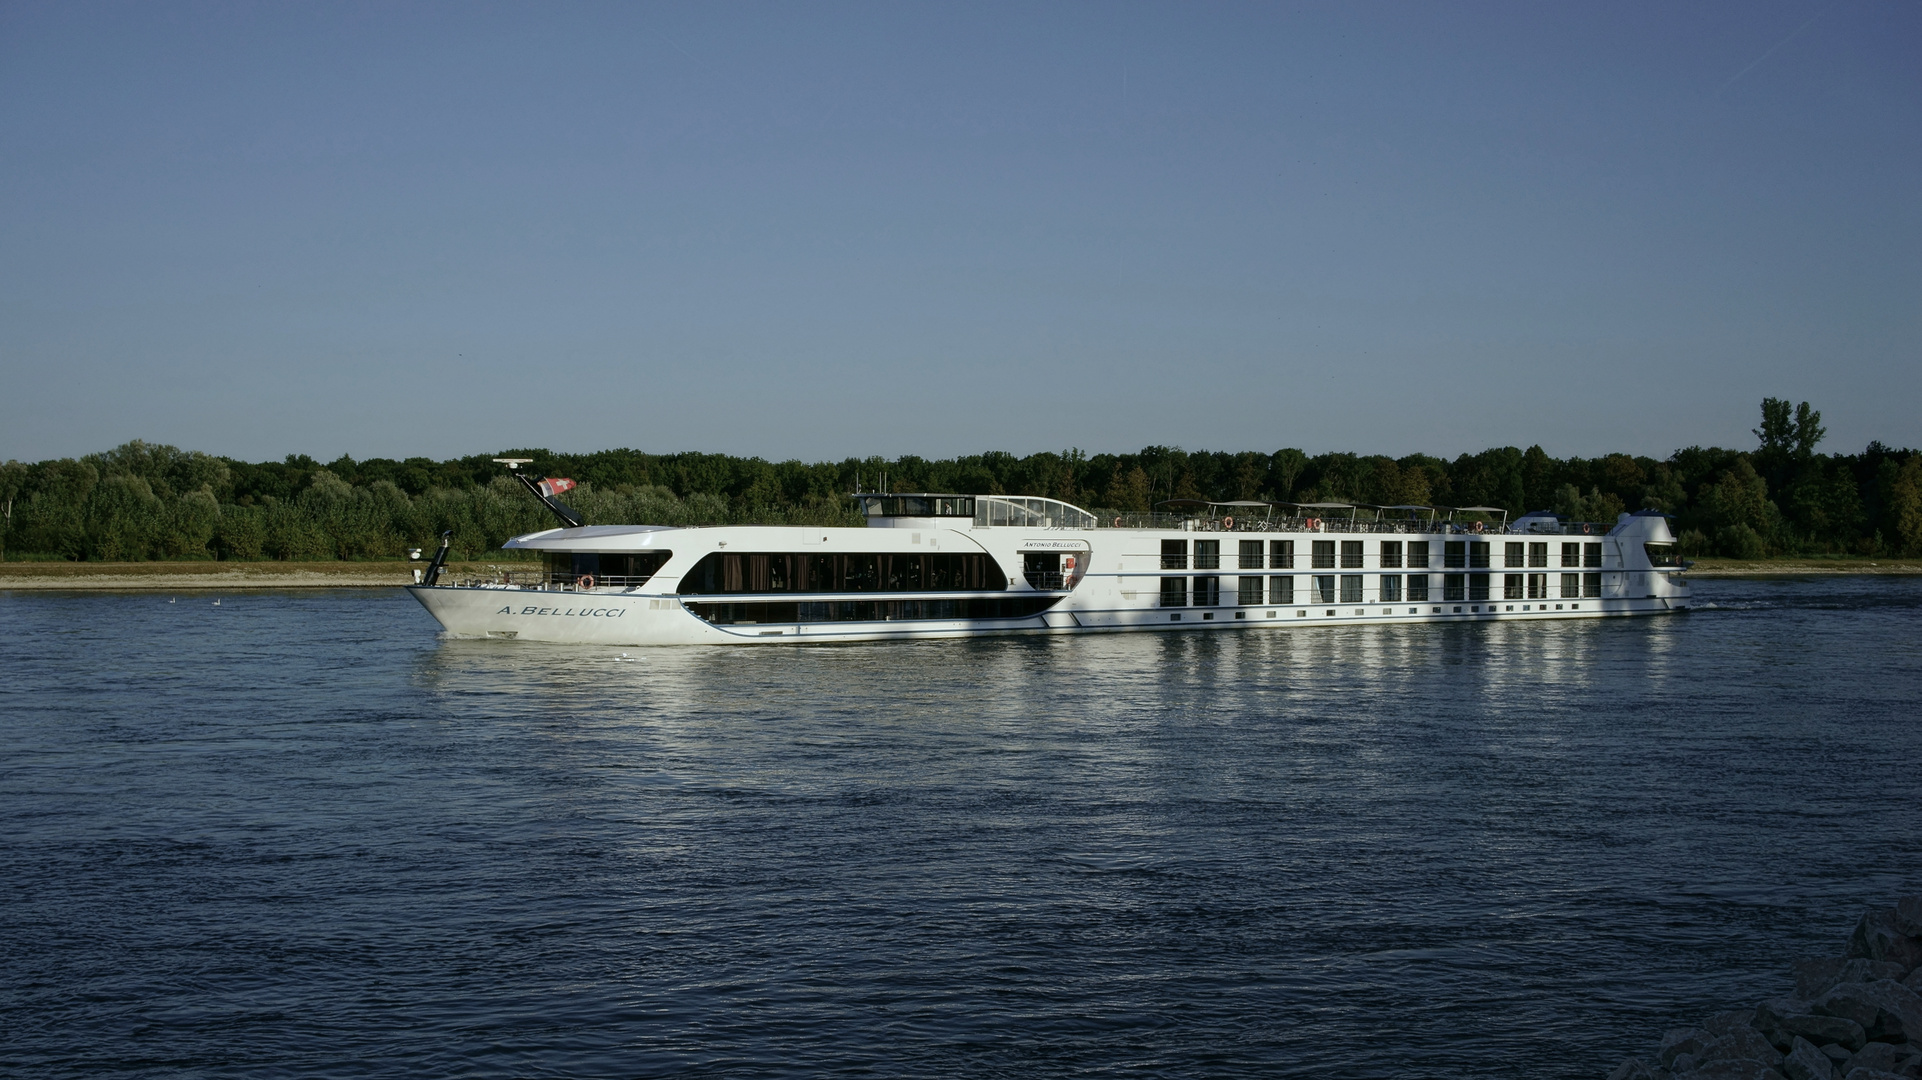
x=220, y=575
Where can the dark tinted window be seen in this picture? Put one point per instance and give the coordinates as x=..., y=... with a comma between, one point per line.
x=757, y=572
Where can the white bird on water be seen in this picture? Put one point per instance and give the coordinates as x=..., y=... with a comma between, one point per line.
x=216, y=603
x=174, y=600
x=623, y=658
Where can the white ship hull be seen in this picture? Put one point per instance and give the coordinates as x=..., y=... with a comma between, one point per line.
x=700, y=585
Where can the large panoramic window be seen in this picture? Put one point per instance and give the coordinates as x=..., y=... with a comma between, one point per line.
x=1174, y=592
x=1207, y=554
x=821, y=611
x=1351, y=588
x=1248, y=591
x=1174, y=555
x=1251, y=555
x=1207, y=591
x=1662, y=555
x=1281, y=590
x=1281, y=554
x=767, y=572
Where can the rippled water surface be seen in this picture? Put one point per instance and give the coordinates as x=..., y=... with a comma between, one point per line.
x=299, y=834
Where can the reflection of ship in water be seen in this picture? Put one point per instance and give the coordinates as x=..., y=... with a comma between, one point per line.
x=936, y=565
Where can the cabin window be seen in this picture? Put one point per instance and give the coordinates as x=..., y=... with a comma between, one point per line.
x=1351, y=588
x=1324, y=555
x=1592, y=586
x=1390, y=553
x=1592, y=555
x=1571, y=585
x=1454, y=586
x=1418, y=554
x=1538, y=586
x=1351, y=554
x=1662, y=555
x=1324, y=589
x=1207, y=591
x=1281, y=554
x=1454, y=553
x=1391, y=588
x=762, y=572
x=1511, y=586
x=1251, y=554
x=1512, y=555
x=1538, y=555
x=1418, y=587
x=1248, y=591
x=1174, y=592
x=1207, y=554
x=1571, y=554
x=1478, y=586
x=1281, y=590
x=1174, y=555
x=1477, y=554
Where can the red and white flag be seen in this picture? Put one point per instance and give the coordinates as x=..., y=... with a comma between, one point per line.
x=553, y=486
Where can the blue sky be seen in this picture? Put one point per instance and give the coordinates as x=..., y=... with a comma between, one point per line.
x=826, y=230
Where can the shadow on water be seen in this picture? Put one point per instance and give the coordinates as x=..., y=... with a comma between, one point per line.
x=301, y=833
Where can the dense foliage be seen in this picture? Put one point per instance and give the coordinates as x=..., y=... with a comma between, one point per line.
x=140, y=501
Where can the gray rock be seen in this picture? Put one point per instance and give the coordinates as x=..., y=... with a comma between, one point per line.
x=1815, y=974
x=1731, y=1069
x=1805, y=1062
x=1727, y=1023
x=1908, y=915
x=1632, y=1069
x=1820, y=1029
x=1914, y=981
x=1877, y=937
x=1742, y=1044
x=1850, y=1002
x=1879, y=1056
x=1838, y=1054
x=1898, y=1011
x=1872, y=1074
x=1681, y=1041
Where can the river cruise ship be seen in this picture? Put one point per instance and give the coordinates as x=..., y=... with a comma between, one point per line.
x=941, y=566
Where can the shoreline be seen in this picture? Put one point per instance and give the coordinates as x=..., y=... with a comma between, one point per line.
x=157, y=576
x=185, y=576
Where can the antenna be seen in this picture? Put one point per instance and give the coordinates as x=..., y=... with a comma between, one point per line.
x=513, y=463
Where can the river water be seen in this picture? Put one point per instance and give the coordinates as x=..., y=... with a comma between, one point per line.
x=300, y=834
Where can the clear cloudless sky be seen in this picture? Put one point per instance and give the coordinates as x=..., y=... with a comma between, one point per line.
x=820, y=230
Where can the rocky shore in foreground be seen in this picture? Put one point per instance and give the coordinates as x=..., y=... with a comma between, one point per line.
x=1853, y=1017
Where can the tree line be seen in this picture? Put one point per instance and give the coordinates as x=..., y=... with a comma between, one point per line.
x=141, y=501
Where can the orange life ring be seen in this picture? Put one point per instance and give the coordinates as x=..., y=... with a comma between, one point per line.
x=1228, y=523
x=586, y=581
x=1117, y=523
